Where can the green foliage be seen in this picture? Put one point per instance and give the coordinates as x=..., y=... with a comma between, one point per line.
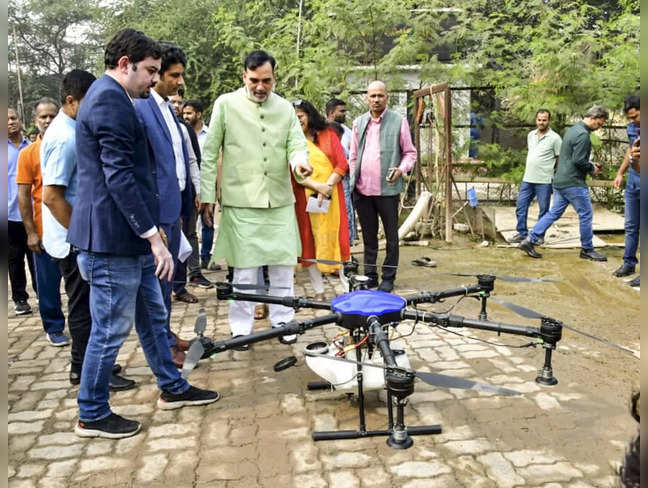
x=503, y=162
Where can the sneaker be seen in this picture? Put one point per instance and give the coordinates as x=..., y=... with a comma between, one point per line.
x=386, y=286
x=592, y=255
x=111, y=427
x=635, y=283
x=201, y=281
x=540, y=241
x=193, y=396
x=22, y=307
x=58, y=339
x=517, y=238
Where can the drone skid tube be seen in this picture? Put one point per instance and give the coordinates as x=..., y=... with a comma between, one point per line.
x=357, y=434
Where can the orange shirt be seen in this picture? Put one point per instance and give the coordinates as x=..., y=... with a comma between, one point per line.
x=29, y=173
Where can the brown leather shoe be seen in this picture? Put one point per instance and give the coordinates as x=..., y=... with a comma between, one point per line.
x=178, y=357
x=181, y=343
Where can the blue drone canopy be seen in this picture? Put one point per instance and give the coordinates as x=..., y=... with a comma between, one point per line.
x=368, y=302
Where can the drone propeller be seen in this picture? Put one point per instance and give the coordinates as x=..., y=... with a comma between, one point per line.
x=532, y=314
x=196, y=350
x=249, y=286
x=513, y=279
x=434, y=379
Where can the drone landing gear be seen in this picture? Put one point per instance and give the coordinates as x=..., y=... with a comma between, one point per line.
x=399, y=386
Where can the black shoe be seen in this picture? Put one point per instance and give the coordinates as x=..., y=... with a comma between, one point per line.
x=372, y=283
x=201, y=281
x=624, y=270
x=193, y=396
x=244, y=347
x=592, y=255
x=22, y=307
x=386, y=286
x=204, y=263
x=527, y=246
x=540, y=241
x=288, y=339
x=635, y=283
x=517, y=238
x=75, y=378
x=119, y=383
x=111, y=427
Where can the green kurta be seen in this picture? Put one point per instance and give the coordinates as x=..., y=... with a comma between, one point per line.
x=260, y=142
x=251, y=237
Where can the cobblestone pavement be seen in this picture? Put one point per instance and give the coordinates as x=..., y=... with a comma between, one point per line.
x=259, y=433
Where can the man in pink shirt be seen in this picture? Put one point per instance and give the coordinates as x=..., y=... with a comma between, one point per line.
x=381, y=153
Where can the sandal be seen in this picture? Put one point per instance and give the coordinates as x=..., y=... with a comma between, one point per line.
x=425, y=262
x=260, y=311
x=187, y=297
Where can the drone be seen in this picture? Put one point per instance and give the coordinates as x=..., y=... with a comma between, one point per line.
x=362, y=356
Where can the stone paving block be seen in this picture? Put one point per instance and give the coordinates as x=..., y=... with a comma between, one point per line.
x=480, y=354
x=48, y=482
x=296, y=433
x=103, y=463
x=172, y=430
x=303, y=458
x=292, y=404
x=169, y=443
x=310, y=480
x=504, y=365
x=225, y=471
x=60, y=452
x=500, y=470
x=324, y=421
x=65, y=438
x=132, y=410
x=460, y=432
x=445, y=481
x=19, y=443
x=98, y=447
x=347, y=460
x=420, y=469
x=22, y=383
x=182, y=466
x=527, y=456
x=28, y=400
x=67, y=414
x=20, y=483
x=543, y=473
x=243, y=435
x=152, y=468
x=374, y=477
x=51, y=404
x=49, y=385
x=344, y=479
x=25, y=427
x=216, y=433
x=29, y=470
x=546, y=401
x=580, y=484
x=61, y=469
x=472, y=446
x=30, y=415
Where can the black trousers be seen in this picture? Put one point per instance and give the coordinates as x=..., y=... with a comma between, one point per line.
x=368, y=210
x=79, y=319
x=18, y=251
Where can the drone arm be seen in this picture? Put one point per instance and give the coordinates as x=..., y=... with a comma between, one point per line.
x=293, y=327
x=227, y=293
x=448, y=320
x=433, y=297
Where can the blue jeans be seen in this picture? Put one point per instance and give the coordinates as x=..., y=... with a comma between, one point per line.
x=632, y=204
x=579, y=198
x=207, y=235
x=123, y=290
x=48, y=280
x=524, y=199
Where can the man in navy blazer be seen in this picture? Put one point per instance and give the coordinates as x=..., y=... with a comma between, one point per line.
x=115, y=227
x=171, y=160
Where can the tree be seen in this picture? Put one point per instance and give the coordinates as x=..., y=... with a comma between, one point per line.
x=50, y=38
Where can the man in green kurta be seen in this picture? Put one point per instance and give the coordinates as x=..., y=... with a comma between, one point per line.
x=261, y=142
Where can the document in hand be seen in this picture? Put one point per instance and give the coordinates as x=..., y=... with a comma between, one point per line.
x=313, y=205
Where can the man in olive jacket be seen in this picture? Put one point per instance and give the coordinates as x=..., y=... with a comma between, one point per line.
x=570, y=186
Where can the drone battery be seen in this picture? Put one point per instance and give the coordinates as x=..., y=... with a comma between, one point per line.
x=357, y=306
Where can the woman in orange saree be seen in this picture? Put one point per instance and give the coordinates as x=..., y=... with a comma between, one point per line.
x=324, y=235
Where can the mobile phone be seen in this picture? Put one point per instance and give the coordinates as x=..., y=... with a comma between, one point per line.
x=390, y=173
